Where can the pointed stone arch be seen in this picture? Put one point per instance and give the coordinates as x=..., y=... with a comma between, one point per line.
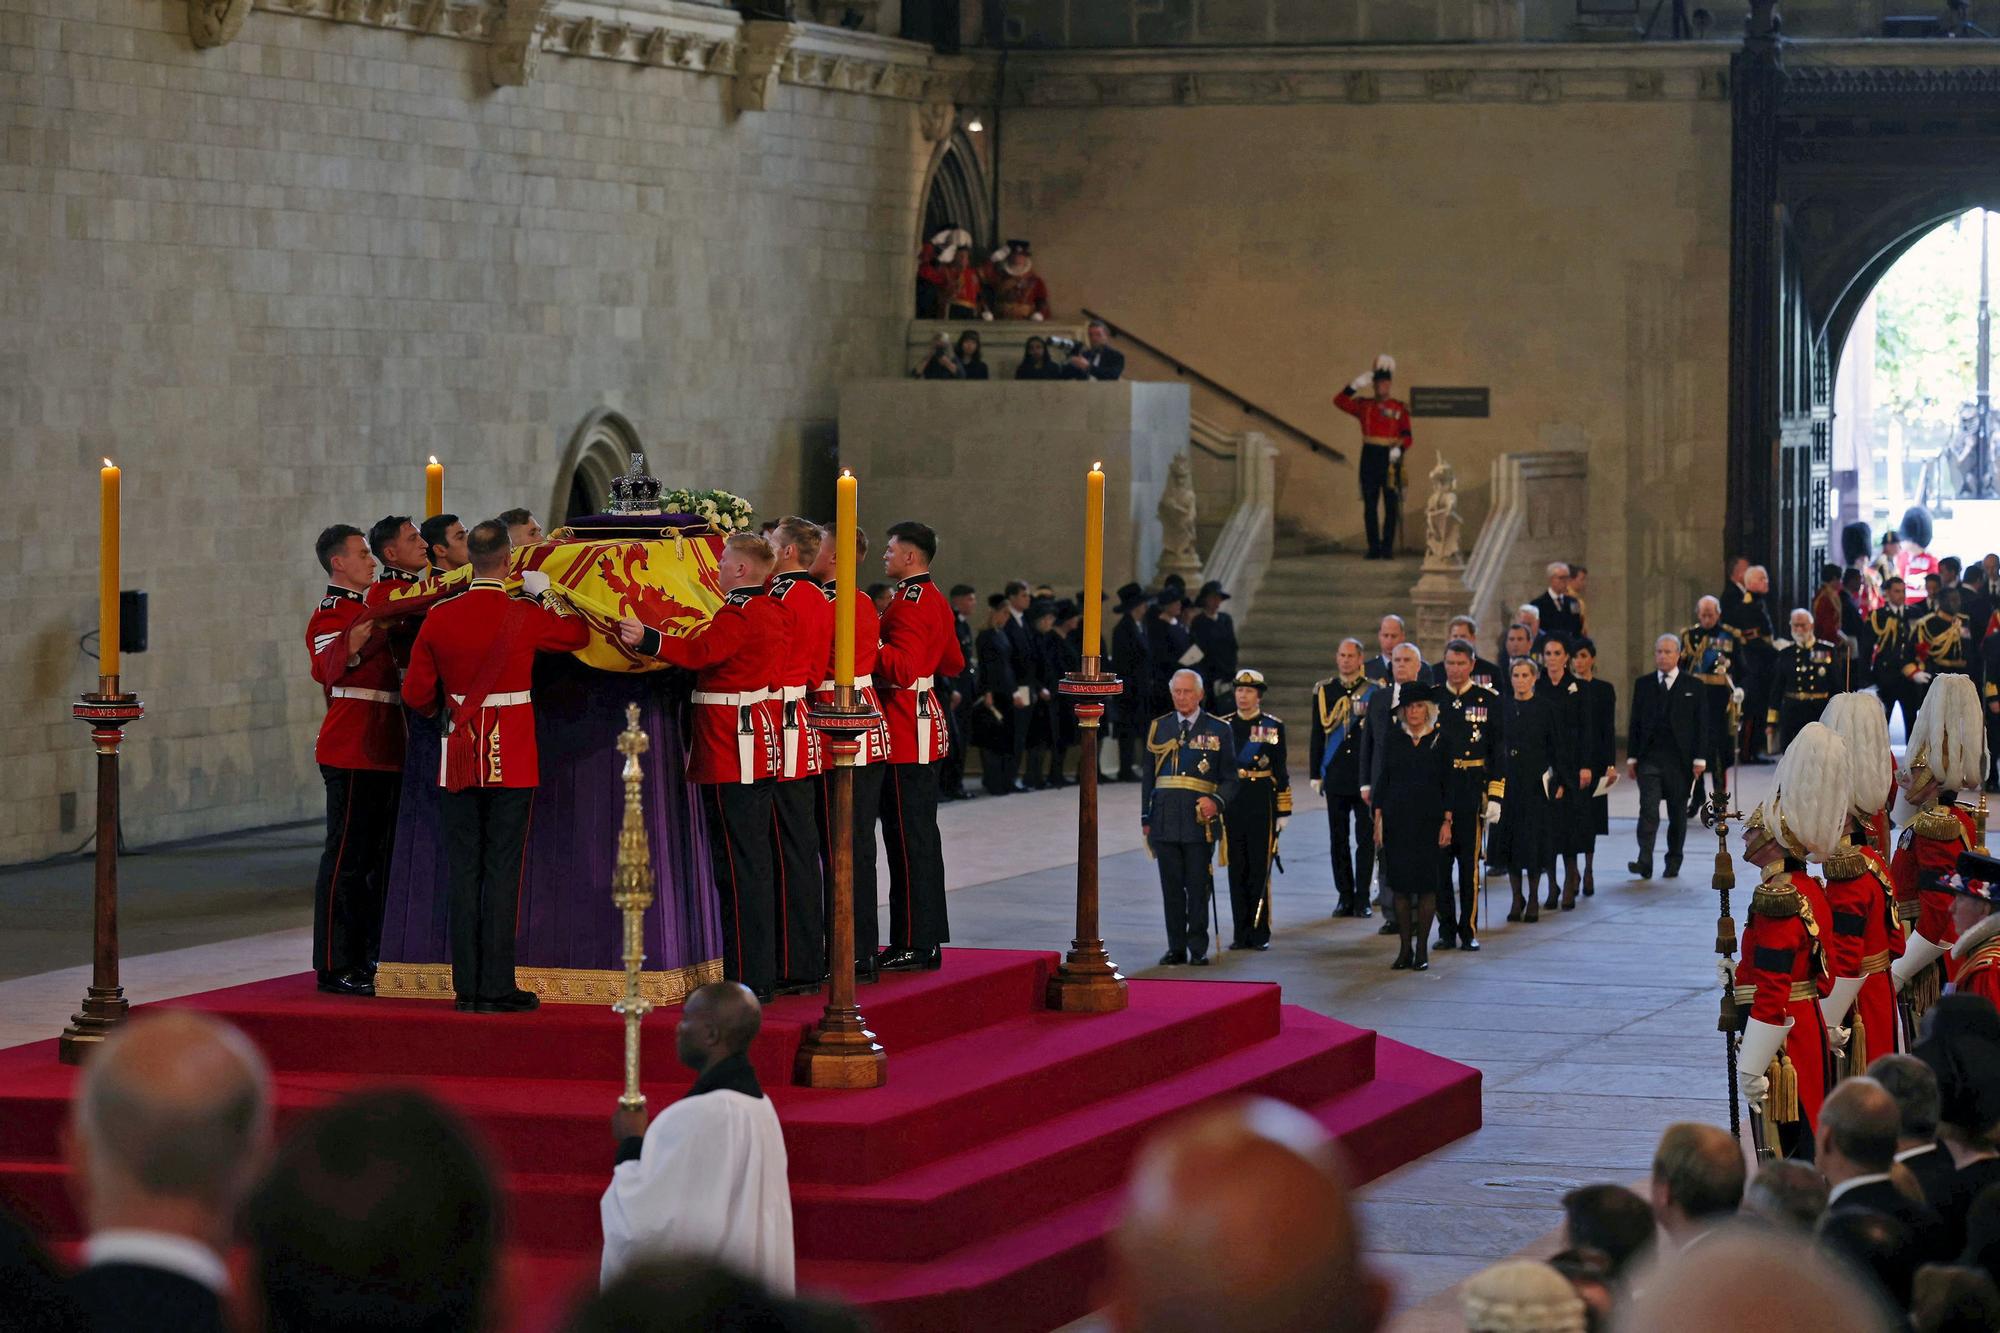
x=955, y=192
x=600, y=449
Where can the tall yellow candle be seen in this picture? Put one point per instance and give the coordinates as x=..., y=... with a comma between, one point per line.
x=433, y=488
x=843, y=580
x=107, y=569
x=1093, y=561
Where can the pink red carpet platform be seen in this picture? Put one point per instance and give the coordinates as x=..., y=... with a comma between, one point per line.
x=973, y=1191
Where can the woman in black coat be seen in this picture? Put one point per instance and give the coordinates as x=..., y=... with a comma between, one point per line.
x=1413, y=820
x=1526, y=810
x=971, y=365
x=1574, y=754
x=1601, y=704
x=1036, y=363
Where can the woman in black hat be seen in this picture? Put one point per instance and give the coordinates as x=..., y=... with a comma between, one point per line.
x=1132, y=663
x=1214, y=632
x=1413, y=819
x=1528, y=728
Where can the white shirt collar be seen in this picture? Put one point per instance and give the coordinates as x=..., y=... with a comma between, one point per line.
x=1557, y=598
x=1833, y=1195
x=162, y=1250
x=1671, y=676
x=1188, y=719
x=1918, y=1151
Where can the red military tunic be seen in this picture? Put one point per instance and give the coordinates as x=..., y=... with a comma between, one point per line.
x=403, y=629
x=484, y=642
x=807, y=660
x=1931, y=842
x=1783, y=972
x=919, y=644
x=1384, y=421
x=1979, y=966
x=363, y=727
x=736, y=658
x=1866, y=935
x=867, y=640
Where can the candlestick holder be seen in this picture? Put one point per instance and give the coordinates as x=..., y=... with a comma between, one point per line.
x=632, y=894
x=840, y=1052
x=104, y=1007
x=1087, y=981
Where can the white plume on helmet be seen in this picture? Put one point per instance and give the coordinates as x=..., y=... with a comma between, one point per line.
x=1810, y=797
x=1949, y=734
x=1858, y=720
x=1384, y=361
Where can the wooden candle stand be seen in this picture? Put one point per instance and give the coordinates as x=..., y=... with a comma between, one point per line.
x=1087, y=981
x=104, y=1008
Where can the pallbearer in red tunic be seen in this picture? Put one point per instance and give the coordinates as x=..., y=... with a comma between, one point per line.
x=360, y=757
x=919, y=650
x=871, y=764
x=1783, y=972
x=1946, y=754
x=735, y=752
x=474, y=662
x=808, y=660
x=1867, y=935
x=1975, y=909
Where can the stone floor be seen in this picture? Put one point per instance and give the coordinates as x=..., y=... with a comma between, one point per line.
x=1594, y=1028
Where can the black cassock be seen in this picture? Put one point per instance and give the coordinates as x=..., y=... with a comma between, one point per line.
x=1522, y=838
x=1412, y=797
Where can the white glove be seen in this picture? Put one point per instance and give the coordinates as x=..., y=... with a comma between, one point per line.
x=1918, y=954
x=1837, y=1037
x=1319, y=788
x=986, y=315
x=1725, y=972
x=1493, y=812
x=1835, y=1006
x=1754, y=1088
x=1383, y=361
x=534, y=582
x=999, y=256
x=1761, y=1041
x=1282, y=821
x=1364, y=794
x=1036, y=317
x=1736, y=696
x=1360, y=382
x=1396, y=454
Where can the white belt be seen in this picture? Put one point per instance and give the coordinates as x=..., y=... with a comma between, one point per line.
x=742, y=699
x=746, y=730
x=793, y=696
x=923, y=685
x=500, y=700
x=370, y=696
x=828, y=687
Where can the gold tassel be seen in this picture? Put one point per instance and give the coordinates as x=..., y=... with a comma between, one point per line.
x=1857, y=1043
x=1781, y=1100
x=1923, y=990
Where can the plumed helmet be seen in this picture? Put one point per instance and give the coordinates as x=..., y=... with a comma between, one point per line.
x=1949, y=736
x=1871, y=768
x=1810, y=795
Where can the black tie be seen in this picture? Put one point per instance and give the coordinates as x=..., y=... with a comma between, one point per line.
x=1187, y=731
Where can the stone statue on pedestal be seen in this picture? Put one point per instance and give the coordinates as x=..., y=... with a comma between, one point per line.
x=1442, y=523
x=1177, y=553
x=1441, y=593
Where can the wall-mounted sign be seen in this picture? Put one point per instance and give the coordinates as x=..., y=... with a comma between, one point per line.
x=1460, y=402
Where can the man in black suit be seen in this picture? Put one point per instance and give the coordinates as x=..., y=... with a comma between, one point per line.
x=1560, y=613
x=958, y=694
x=170, y=1122
x=1668, y=739
x=1915, y=1088
x=994, y=708
x=1096, y=359
x=1855, y=1149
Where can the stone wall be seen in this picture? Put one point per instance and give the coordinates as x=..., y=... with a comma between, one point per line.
x=1552, y=224
x=271, y=277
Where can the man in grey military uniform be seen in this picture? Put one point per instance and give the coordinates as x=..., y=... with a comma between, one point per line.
x=1189, y=776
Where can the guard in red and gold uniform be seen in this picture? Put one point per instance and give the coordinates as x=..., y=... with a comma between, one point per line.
x=870, y=765
x=1867, y=934
x=1385, y=437
x=1975, y=887
x=808, y=660
x=405, y=560
x=1946, y=753
x=735, y=752
x=919, y=648
x=474, y=662
x=1784, y=970
x=360, y=757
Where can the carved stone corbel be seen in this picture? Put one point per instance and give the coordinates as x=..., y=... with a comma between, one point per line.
x=766, y=45
x=216, y=22
x=936, y=118
x=516, y=42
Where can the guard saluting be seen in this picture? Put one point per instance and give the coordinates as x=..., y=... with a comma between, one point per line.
x=919, y=648
x=475, y=657
x=1258, y=813
x=734, y=751
x=1190, y=777
x=1469, y=719
x=360, y=756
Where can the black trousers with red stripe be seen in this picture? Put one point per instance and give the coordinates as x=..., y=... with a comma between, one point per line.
x=742, y=855
x=867, y=808
x=801, y=909
x=916, y=857
x=353, y=878
x=486, y=844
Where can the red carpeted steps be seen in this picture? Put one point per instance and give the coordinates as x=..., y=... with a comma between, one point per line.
x=973, y=1190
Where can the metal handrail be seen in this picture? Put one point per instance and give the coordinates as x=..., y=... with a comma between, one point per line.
x=1250, y=408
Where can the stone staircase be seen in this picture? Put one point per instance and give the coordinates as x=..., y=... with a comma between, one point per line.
x=1307, y=604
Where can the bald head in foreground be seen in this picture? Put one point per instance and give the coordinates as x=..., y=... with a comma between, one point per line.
x=1747, y=1278
x=170, y=1126
x=1239, y=1219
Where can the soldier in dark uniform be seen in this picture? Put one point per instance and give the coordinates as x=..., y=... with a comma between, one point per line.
x=1132, y=663
x=993, y=709
x=1940, y=640
x=1469, y=718
x=1744, y=610
x=1809, y=672
x=1486, y=675
x=1214, y=632
x=1339, y=705
x=1708, y=653
x=1258, y=814
x=1889, y=629
x=1190, y=779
